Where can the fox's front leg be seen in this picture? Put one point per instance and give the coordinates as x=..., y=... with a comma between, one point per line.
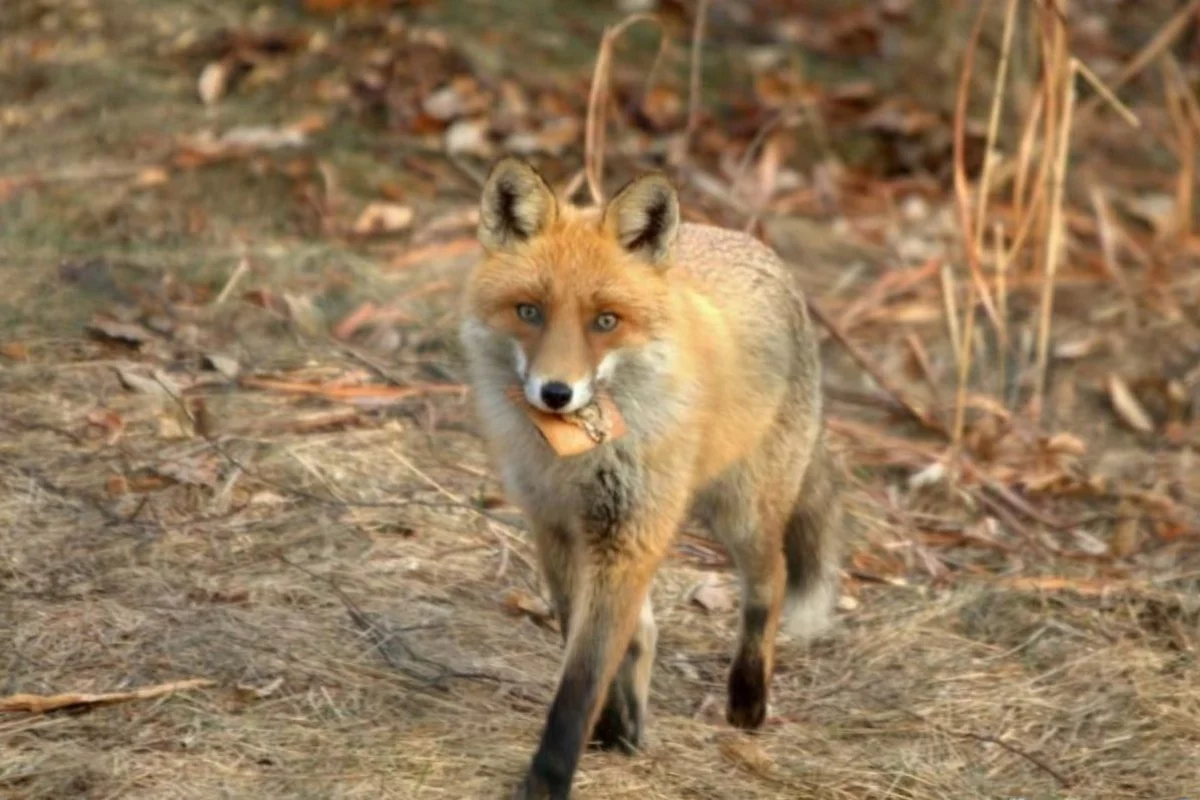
x=616, y=568
x=622, y=717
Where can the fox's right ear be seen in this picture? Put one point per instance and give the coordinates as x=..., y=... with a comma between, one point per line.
x=517, y=205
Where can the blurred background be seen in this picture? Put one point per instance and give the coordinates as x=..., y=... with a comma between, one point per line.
x=236, y=448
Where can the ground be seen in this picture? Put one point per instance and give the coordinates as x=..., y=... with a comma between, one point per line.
x=235, y=447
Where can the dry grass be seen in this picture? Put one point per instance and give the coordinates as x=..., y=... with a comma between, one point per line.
x=349, y=576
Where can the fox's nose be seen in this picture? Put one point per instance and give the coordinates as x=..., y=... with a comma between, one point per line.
x=556, y=394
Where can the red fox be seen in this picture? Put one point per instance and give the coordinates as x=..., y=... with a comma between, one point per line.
x=708, y=353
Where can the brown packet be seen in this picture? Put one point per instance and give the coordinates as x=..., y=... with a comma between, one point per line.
x=578, y=432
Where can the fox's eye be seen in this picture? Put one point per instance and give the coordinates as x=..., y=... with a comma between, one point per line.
x=606, y=322
x=528, y=312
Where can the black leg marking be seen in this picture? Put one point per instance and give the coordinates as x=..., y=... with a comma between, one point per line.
x=748, y=677
x=620, y=724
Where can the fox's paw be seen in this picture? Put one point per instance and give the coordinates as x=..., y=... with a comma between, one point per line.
x=542, y=784
x=747, y=706
x=620, y=724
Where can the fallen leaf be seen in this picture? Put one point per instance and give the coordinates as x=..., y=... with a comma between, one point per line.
x=1156, y=210
x=1089, y=543
x=200, y=470
x=304, y=313
x=1127, y=406
x=468, y=137
x=264, y=137
x=214, y=80
x=520, y=602
x=151, y=176
x=110, y=421
x=355, y=320
x=711, y=595
x=383, y=218
x=454, y=248
x=375, y=392
x=127, y=332
x=1126, y=537
x=746, y=753
x=227, y=366
x=17, y=351
x=40, y=704
x=929, y=476
x=159, y=383
x=251, y=692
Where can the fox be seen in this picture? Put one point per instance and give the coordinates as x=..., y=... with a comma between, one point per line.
x=709, y=354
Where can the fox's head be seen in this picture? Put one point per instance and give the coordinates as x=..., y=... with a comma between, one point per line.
x=571, y=299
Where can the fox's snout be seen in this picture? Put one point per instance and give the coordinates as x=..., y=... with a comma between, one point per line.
x=551, y=392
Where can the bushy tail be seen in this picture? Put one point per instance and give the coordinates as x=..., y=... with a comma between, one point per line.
x=811, y=546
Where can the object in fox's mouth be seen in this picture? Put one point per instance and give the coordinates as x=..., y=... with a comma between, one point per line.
x=571, y=434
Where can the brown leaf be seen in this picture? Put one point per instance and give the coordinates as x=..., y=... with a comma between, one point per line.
x=711, y=595
x=158, y=383
x=1127, y=406
x=214, y=80
x=383, y=218
x=227, y=366
x=110, y=421
x=455, y=248
x=520, y=602
x=746, y=753
x=251, y=692
x=40, y=704
x=17, y=351
x=1126, y=537
x=304, y=313
x=127, y=332
x=151, y=176
x=201, y=470
x=468, y=137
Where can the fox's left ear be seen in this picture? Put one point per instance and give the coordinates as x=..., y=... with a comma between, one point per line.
x=644, y=218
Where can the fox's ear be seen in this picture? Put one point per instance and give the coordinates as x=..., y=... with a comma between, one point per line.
x=644, y=218
x=517, y=205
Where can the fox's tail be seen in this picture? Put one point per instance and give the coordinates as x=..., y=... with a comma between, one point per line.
x=811, y=546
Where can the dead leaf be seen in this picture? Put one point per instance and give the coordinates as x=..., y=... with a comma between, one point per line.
x=264, y=137
x=17, y=351
x=1156, y=210
x=110, y=421
x=159, y=383
x=1089, y=543
x=1127, y=406
x=151, y=176
x=40, y=704
x=746, y=753
x=227, y=366
x=214, y=80
x=251, y=692
x=304, y=313
x=1066, y=443
x=383, y=218
x=468, y=137
x=711, y=595
x=355, y=320
x=201, y=470
x=520, y=602
x=373, y=392
x=455, y=248
x=1126, y=537
x=127, y=332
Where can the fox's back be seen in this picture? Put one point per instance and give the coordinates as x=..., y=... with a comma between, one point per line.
x=763, y=363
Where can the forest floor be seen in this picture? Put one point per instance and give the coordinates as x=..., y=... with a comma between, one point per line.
x=236, y=451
